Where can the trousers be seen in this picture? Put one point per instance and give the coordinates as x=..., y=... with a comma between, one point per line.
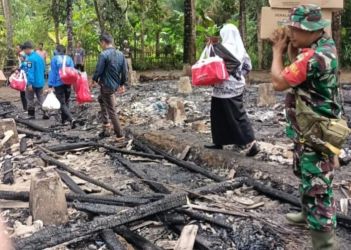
x=316, y=172
x=24, y=100
x=63, y=93
x=30, y=95
x=107, y=100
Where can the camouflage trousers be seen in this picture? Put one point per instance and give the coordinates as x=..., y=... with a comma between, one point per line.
x=316, y=172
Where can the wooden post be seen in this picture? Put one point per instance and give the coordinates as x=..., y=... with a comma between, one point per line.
x=47, y=200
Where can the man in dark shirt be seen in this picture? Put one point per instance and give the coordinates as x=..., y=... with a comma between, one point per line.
x=111, y=74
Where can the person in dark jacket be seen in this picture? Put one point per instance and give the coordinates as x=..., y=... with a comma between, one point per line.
x=112, y=75
x=230, y=124
x=62, y=91
x=34, y=66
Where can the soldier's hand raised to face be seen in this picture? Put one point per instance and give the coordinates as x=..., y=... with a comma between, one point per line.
x=280, y=41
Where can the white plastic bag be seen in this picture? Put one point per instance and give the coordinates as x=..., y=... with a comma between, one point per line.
x=51, y=102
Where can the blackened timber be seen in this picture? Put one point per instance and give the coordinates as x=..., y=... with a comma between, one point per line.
x=65, y=167
x=154, y=186
x=201, y=242
x=135, y=239
x=50, y=237
x=69, y=146
x=97, y=209
x=202, y=217
x=70, y=183
x=273, y=193
x=220, y=187
x=15, y=196
x=288, y=198
x=111, y=241
x=129, y=152
x=7, y=169
x=96, y=199
x=30, y=134
x=23, y=145
x=32, y=125
x=108, y=200
x=141, y=146
x=190, y=166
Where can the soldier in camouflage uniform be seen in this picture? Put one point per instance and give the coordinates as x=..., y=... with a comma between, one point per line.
x=314, y=70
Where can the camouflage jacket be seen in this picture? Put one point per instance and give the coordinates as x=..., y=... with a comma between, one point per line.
x=316, y=72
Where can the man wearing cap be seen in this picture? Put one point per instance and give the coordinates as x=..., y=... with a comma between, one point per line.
x=34, y=66
x=315, y=72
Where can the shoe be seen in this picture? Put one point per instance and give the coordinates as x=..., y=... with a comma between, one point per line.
x=251, y=150
x=298, y=219
x=73, y=124
x=219, y=147
x=323, y=240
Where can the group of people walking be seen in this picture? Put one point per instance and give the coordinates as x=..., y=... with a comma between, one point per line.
x=313, y=72
x=111, y=75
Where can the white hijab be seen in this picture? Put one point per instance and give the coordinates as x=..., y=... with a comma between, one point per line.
x=231, y=40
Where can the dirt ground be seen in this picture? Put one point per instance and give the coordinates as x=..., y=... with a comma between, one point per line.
x=142, y=113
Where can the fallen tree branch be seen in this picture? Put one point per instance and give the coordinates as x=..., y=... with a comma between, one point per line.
x=111, y=241
x=135, y=239
x=53, y=236
x=63, y=166
x=190, y=166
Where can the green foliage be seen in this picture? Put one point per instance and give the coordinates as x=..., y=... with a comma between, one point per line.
x=157, y=24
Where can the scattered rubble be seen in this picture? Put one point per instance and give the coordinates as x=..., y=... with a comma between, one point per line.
x=154, y=191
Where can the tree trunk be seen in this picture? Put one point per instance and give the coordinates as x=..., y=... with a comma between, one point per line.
x=101, y=21
x=337, y=30
x=259, y=40
x=158, y=32
x=142, y=36
x=242, y=20
x=70, y=27
x=135, y=46
x=189, y=56
x=55, y=15
x=9, y=34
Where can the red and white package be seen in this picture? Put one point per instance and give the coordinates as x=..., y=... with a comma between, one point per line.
x=209, y=71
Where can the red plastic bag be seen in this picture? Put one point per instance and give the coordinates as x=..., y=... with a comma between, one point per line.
x=68, y=75
x=18, y=81
x=209, y=71
x=81, y=87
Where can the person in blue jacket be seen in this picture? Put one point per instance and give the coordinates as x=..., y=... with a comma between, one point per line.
x=34, y=67
x=62, y=91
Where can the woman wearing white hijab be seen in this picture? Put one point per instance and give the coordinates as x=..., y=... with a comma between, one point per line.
x=229, y=122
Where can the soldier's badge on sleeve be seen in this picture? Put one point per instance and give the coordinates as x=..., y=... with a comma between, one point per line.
x=296, y=73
